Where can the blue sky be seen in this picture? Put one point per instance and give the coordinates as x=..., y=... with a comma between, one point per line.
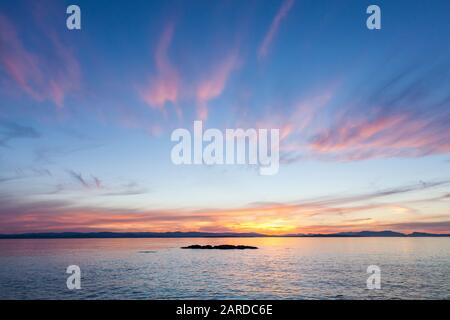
x=86, y=115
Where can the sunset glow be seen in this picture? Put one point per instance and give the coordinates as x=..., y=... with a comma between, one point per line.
x=86, y=117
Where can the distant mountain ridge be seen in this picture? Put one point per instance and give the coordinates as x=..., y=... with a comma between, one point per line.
x=178, y=234
x=385, y=233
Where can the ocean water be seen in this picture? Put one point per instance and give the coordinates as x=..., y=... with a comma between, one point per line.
x=282, y=268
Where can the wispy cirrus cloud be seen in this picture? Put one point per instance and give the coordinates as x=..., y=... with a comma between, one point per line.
x=12, y=130
x=128, y=189
x=406, y=115
x=41, y=75
x=214, y=84
x=97, y=182
x=166, y=85
x=299, y=120
x=420, y=186
x=25, y=173
x=404, y=119
x=163, y=86
x=392, y=136
x=347, y=211
x=92, y=182
x=273, y=29
x=79, y=178
x=50, y=154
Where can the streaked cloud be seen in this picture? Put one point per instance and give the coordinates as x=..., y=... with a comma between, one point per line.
x=12, y=130
x=163, y=86
x=41, y=75
x=92, y=182
x=128, y=189
x=25, y=173
x=97, y=182
x=79, y=178
x=46, y=154
x=386, y=136
x=273, y=29
x=397, y=117
x=214, y=84
x=349, y=212
x=332, y=103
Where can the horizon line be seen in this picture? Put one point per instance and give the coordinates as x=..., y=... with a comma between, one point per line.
x=201, y=234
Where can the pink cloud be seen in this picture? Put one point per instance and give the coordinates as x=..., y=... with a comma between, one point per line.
x=388, y=136
x=41, y=77
x=281, y=14
x=213, y=86
x=345, y=210
x=164, y=85
x=304, y=115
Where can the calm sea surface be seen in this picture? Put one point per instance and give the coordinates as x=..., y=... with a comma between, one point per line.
x=282, y=268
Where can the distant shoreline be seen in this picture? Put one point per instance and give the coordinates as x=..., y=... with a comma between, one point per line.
x=140, y=235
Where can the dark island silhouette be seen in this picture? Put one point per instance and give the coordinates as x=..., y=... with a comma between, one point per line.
x=87, y=235
x=219, y=247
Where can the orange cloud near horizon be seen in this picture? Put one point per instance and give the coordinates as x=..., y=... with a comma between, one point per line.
x=272, y=219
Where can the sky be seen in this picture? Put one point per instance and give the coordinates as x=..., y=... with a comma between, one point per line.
x=86, y=115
